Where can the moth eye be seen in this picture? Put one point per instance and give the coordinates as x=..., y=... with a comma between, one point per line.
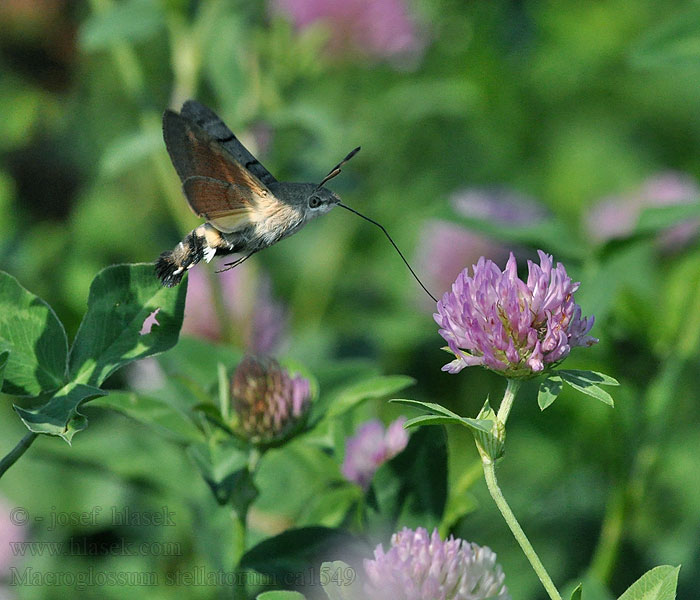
x=314, y=202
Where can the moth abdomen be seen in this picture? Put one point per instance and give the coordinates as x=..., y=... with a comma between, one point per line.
x=171, y=265
x=200, y=244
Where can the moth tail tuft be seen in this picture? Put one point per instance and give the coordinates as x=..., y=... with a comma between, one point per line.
x=172, y=265
x=168, y=271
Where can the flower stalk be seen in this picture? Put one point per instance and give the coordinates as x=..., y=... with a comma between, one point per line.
x=512, y=388
x=518, y=533
x=489, y=466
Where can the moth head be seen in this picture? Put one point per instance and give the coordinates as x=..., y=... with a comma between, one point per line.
x=321, y=200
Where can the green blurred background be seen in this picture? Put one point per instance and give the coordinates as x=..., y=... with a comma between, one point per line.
x=558, y=106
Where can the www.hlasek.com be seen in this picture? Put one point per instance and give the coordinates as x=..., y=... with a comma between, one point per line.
x=198, y=576
x=84, y=547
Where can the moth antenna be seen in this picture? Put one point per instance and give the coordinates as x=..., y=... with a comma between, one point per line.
x=352, y=210
x=336, y=170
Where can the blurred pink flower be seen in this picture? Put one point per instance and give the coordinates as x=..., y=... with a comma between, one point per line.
x=499, y=205
x=370, y=448
x=444, y=247
x=10, y=532
x=420, y=566
x=615, y=217
x=379, y=28
x=443, y=250
x=248, y=303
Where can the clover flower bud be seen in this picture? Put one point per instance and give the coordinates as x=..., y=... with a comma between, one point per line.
x=269, y=402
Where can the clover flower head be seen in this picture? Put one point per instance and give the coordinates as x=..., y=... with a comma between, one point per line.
x=516, y=328
x=419, y=566
x=269, y=402
x=370, y=447
x=499, y=205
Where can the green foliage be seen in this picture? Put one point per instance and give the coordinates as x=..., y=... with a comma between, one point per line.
x=121, y=298
x=334, y=405
x=411, y=489
x=133, y=20
x=168, y=420
x=588, y=382
x=439, y=415
x=570, y=104
x=35, y=339
x=109, y=337
x=280, y=595
x=3, y=363
x=294, y=550
x=60, y=416
x=673, y=43
x=657, y=584
x=549, y=390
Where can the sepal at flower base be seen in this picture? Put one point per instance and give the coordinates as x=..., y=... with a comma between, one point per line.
x=491, y=443
x=588, y=382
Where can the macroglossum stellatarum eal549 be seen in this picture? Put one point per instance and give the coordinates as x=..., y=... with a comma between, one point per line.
x=245, y=207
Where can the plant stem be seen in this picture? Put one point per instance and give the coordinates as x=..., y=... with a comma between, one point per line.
x=239, y=530
x=12, y=456
x=499, y=499
x=489, y=467
x=506, y=404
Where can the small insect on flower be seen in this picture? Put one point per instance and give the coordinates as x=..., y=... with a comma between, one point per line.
x=419, y=566
x=518, y=329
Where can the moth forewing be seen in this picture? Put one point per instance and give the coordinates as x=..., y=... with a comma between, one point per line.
x=226, y=206
x=208, y=120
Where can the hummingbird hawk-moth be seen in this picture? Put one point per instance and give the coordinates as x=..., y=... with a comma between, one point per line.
x=246, y=209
